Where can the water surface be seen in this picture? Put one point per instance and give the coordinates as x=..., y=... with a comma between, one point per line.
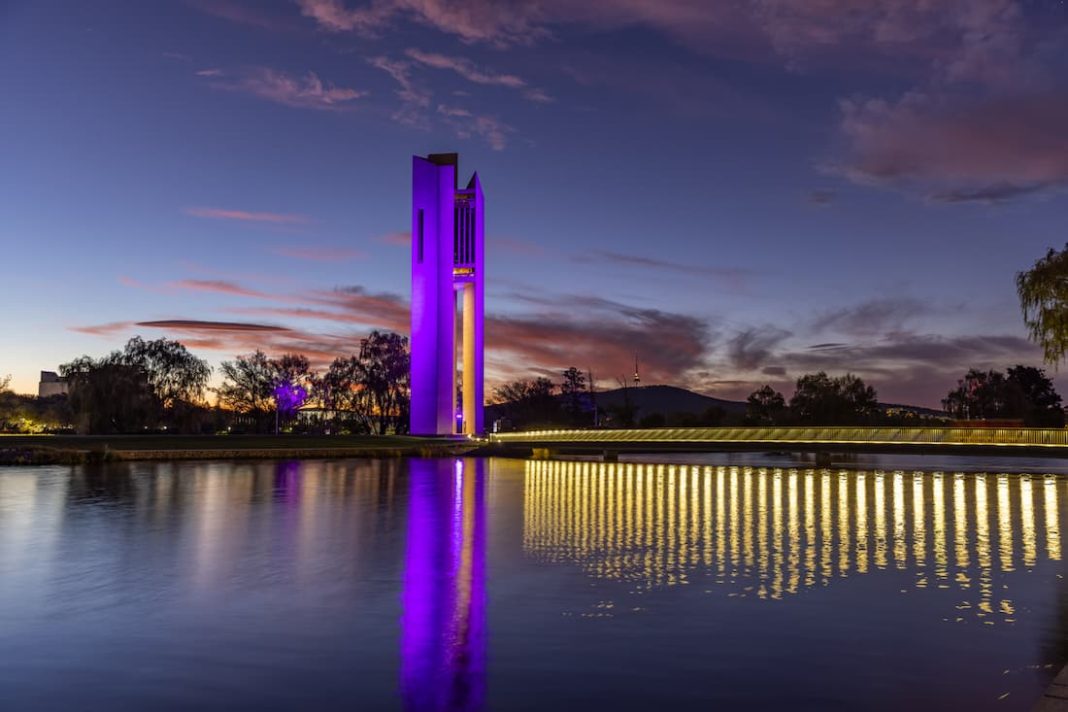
x=501, y=584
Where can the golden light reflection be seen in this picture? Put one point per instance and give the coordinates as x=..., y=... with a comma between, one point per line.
x=774, y=532
x=1053, y=532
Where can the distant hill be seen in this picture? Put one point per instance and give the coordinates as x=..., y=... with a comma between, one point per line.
x=671, y=400
x=668, y=400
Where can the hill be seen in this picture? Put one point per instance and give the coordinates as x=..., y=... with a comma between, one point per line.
x=672, y=400
x=668, y=400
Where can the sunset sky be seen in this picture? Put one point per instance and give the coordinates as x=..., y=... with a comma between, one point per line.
x=738, y=192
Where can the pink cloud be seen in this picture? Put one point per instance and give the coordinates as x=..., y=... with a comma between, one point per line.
x=466, y=69
x=218, y=286
x=402, y=238
x=414, y=98
x=247, y=216
x=956, y=150
x=110, y=329
x=307, y=92
x=466, y=124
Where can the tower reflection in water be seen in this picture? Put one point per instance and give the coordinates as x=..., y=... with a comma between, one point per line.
x=443, y=625
x=771, y=532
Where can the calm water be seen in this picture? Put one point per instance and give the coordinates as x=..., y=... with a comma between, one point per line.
x=502, y=584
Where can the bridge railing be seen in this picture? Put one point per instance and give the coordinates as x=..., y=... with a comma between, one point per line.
x=1008, y=437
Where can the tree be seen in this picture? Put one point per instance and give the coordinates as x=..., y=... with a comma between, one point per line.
x=110, y=396
x=175, y=374
x=384, y=374
x=370, y=391
x=1042, y=404
x=1043, y=292
x=177, y=377
x=765, y=406
x=1026, y=393
x=248, y=385
x=821, y=400
x=528, y=403
x=574, y=395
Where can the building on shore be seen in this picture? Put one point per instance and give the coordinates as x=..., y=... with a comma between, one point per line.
x=52, y=384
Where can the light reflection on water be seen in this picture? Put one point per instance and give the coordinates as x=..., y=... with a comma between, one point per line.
x=467, y=584
x=762, y=533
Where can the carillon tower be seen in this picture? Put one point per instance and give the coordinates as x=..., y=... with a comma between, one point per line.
x=447, y=296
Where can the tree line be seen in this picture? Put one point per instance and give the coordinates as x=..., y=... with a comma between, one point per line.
x=159, y=385
x=1024, y=395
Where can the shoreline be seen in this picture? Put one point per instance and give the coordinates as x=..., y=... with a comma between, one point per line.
x=28, y=450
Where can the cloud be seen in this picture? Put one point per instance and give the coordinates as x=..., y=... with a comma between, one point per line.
x=246, y=216
x=233, y=338
x=335, y=16
x=415, y=100
x=320, y=254
x=822, y=197
x=750, y=348
x=200, y=325
x=252, y=14
x=471, y=20
x=914, y=368
x=990, y=194
x=471, y=72
x=209, y=72
x=959, y=150
x=466, y=69
x=467, y=124
x=732, y=277
x=872, y=318
x=109, y=329
x=515, y=246
x=600, y=335
x=307, y=92
x=401, y=238
x=218, y=286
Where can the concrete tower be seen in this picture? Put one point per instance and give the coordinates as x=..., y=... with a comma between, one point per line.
x=447, y=274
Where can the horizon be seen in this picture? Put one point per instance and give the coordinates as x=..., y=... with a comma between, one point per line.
x=762, y=195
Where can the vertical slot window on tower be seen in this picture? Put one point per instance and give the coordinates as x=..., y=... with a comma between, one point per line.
x=419, y=239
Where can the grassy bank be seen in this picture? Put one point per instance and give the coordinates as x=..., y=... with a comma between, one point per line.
x=74, y=449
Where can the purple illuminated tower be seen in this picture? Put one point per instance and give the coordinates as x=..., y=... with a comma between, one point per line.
x=447, y=276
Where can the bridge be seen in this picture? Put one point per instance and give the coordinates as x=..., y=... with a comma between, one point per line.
x=1029, y=442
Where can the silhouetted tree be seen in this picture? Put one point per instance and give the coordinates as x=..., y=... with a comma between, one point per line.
x=369, y=392
x=1026, y=393
x=981, y=395
x=178, y=378
x=528, y=403
x=821, y=400
x=175, y=374
x=1044, y=299
x=248, y=386
x=384, y=363
x=574, y=396
x=339, y=391
x=110, y=396
x=1042, y=404
x=765, y=406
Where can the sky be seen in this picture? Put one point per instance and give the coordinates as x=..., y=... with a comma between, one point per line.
x=737, y=192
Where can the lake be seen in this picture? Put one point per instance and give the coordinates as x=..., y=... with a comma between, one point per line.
x=498, y=584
